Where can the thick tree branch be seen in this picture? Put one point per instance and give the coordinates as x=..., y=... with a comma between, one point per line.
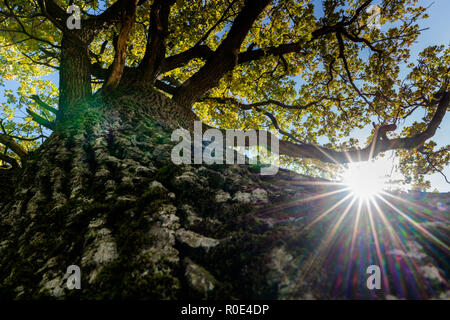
x=165, y=87
x=224, y=58
x=183, y=58
x=99, y=72
x=443, y=102
x=379, y=143
x=156, y=42
x=118, y=64
x=44, y=105
x=42, y=121
x=111, y=16
x=54, y=13
x=209, y=75
x=257, y=54
x=13, y=162
x=204, y=52
x=11, y=144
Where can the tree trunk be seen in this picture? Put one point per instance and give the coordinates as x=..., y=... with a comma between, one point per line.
x=103, y=194
x=74, y=74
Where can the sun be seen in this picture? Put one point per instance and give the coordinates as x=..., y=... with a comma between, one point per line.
x=365, y=179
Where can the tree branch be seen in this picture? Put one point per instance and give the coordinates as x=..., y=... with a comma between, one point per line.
x=214, y=26
x=11, y=144
x=44, y=105
x=54, y=13
x=165, y=87
x=156, y=42
x=13, y=162
x=42, y=121
x=111, y=16
x=204, y=52
x=445, y=177
x=224, y=58
x=209, y=75
x=128, y=17
x=380, y=142
x=361, y=40
x=249, y=106
x=183, y=58
x=347, y=70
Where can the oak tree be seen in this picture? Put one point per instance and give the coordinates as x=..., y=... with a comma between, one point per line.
x=86, y=177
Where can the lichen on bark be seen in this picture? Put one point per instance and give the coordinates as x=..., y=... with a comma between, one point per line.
x=102, y=193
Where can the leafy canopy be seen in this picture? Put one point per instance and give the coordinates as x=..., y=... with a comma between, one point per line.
x=316, y=91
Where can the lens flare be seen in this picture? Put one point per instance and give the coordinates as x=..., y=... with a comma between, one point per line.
x=365, y=179
x=364, y=219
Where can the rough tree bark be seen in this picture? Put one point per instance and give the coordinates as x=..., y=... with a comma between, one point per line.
x=103, y=194
x=75, y=73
